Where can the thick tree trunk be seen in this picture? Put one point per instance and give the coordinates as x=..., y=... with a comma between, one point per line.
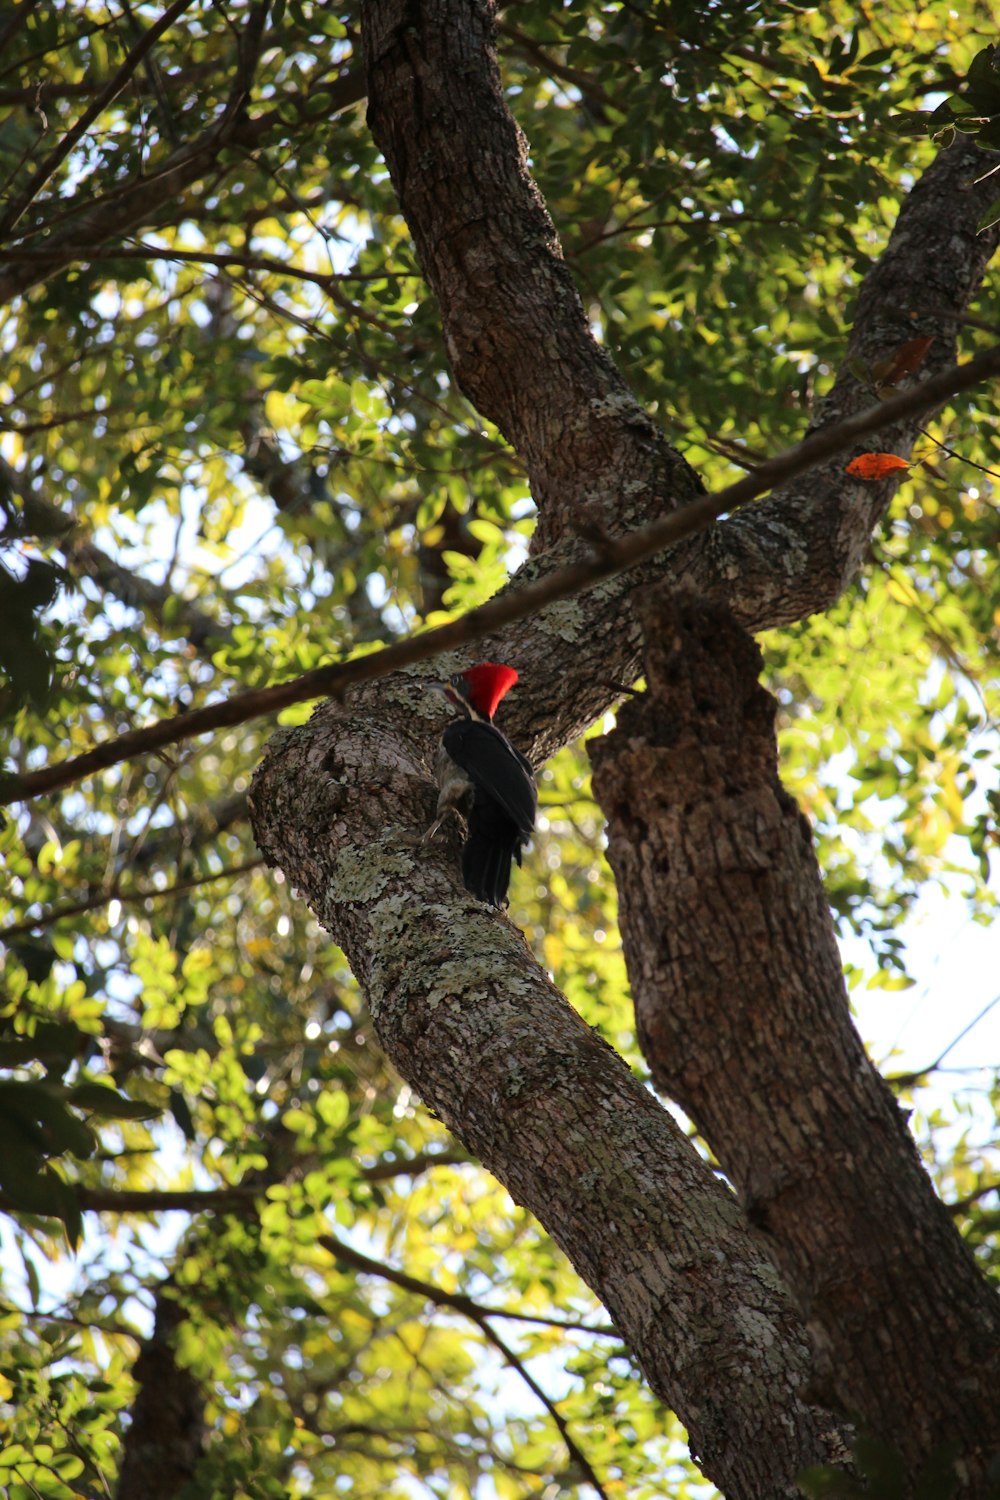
x=470, y=1020
x=461, y=1008
x=166, y=1436
x=743, y=1017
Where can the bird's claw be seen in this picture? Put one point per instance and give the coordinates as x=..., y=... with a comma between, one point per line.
x=436, y=826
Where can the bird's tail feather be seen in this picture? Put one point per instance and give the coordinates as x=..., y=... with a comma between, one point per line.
x=486, y=868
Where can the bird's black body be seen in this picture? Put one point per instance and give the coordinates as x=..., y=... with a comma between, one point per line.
x=499, y=804
x=484, y=780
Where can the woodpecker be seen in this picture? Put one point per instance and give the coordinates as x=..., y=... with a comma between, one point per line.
x=484, y=781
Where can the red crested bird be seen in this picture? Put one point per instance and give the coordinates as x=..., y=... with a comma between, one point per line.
x=484, y=781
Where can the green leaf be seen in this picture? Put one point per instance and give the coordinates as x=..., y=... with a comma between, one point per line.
x=101, y=1099
x=990, y=217
x=45, y=1118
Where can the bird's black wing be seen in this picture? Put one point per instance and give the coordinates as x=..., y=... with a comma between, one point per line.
x=493, y=765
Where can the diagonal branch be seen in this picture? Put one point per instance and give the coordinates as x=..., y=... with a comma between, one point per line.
x=242, y=1196
x=457, y=1301
x=40, y=517
x=613, y=556
x=205, y=633
x=588, y=86
x=480, y=1316
x=907, y=1080
x=15, y=22
x=126, y=897
x=583, y=1465
x=146, y=252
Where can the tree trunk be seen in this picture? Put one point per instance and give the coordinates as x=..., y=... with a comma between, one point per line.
x=460, y=1006
x=166, y=1436
x=473, y=1024
x=743, y=1017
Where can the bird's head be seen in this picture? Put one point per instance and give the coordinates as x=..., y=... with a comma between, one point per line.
x=477, y=691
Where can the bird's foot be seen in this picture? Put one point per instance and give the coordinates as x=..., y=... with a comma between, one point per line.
x=439, y=822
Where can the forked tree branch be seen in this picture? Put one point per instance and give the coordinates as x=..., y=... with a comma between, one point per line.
x=460, y=1009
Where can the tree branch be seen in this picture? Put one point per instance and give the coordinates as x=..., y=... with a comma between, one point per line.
x=480, y=1316
x=907, y=1080
x=240, y=1198
x=147, y=252
x=588, y=86
x=107, y=96
x=114, y=892
x=15, y=22
x=578, y=1458
x=962, y=1205
x=88, y=226
x=612, y=557
x=40, y=517
x=194, y=624
x=457, y=1301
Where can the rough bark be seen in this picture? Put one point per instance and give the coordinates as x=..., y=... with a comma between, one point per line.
x=743, y=1016
x=795, y=553
x=459, y=1005
x=470, y=1020
x=514, y=325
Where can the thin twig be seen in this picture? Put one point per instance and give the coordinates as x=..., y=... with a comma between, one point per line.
x=907, y=1080
x=112, y=1330
x=587, y=85
x=58, y=419
x=576, y=1453
x=457, y=1301
x=962, y=1205
x=480, y=1316
x=238, y=1197
x=954, y=453
x=144, y=251
x=105, y=896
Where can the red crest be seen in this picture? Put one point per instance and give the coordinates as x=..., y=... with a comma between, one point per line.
x=486, y=684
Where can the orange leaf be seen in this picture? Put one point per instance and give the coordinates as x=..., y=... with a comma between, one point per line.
x=875, y=465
